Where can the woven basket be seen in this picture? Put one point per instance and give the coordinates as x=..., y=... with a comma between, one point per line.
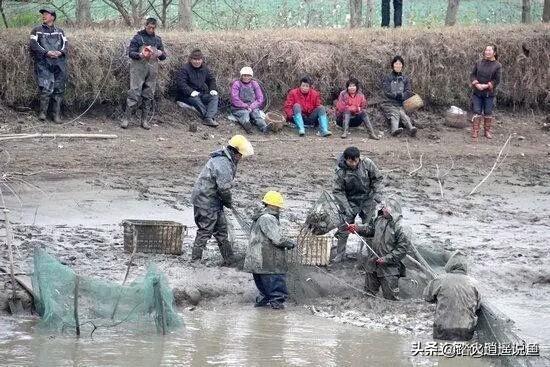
x=413, y=103
x=276, y=120
x=456, y=120
x=153, y=236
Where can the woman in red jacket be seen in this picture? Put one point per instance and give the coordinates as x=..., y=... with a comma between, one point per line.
x=351, y=109
x=303, y=106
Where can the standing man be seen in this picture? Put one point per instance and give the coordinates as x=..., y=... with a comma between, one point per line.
x=358, y=188
x=212, y=192
x=390, y=244
x=458, y=301
x=266, y=253
x=197, y=87
x=49, y=46
x=146, y=49
x=397, y=13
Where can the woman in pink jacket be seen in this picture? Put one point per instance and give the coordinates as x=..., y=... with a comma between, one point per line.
x=247, y=99
x=351, y=109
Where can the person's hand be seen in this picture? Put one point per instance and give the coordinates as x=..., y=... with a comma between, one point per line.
x=51, y=54
x=380, y=261
x=352, y=228
x=194, y=94
x=160, y=53
x=353, y=109
x=213, y=92
x=479, y=86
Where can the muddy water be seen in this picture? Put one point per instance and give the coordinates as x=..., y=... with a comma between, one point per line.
x=234, y=337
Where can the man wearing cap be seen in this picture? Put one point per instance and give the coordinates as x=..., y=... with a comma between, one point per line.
x=247, y=100
x=212, y=192
x=197, y=87
x=48, y=46
x=146, y=49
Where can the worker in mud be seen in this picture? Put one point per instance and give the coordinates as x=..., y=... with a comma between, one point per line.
x=351, y=109
x=397, y=88
x=304, y=107
x=49, y=46
x=212, y=192
x=458, y=300
x=247, y=100
x=389, y=245
x=197, y=87
x=357, y=188
x=266, y=253
x=485, y=78
x=145, y=51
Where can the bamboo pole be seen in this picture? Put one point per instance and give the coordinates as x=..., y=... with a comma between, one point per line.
x=40, y=135
x=76, y=321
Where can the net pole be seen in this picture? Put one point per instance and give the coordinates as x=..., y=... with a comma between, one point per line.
x=76, y=321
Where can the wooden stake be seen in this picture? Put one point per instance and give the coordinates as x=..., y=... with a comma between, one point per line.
x=76, y=321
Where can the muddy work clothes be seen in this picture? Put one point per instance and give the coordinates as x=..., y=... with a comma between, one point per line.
x=50, y=72
x=143, y=72
x=246, y=117
x=389, y=285
x=397, y=13
x=272, y=288
x=396, y=115
x=391, y=241
x=246, y=101
x=212, y=223
x=458, y=301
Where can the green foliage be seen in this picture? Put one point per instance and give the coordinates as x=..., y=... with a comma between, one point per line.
x=25, y=19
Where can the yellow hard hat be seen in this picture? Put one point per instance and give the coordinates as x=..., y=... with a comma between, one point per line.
x=242, y=145
x=274, y=198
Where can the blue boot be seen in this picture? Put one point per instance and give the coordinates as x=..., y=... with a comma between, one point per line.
x=323, y=126
x=299, y=122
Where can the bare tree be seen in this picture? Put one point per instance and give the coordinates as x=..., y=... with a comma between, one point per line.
x=452, y=12
x=546, y=11
x=83, y=11
x=356, y=13
x=526, y=11
x=370, y=13
x=185, y=16
x=2, y=12
x=131, y=11
x=161, y=15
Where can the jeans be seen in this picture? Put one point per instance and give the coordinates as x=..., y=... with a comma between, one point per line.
x=483, y=105
x=206, y=104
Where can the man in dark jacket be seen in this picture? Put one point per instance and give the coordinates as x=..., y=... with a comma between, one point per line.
x=212, y=192
x=458, y=300
x=357, y=188
x=197, y=87
x=146, y=49
x=266, y=253
x=390, y=244
x=397, y=88
x=49, y=46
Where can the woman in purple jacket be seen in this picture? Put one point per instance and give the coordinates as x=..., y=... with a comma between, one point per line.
x=247, y=99
x=484, y=79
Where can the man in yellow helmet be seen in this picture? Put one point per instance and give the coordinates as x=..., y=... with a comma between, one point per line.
x=266, y=253
x=212, y=192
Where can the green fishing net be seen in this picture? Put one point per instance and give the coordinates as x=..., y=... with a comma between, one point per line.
x=68, y=302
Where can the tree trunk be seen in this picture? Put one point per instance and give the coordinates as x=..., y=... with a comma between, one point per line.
x=526, y=11
x=356, y=13
x=83, y=12
x=185, y=15
x=546, y=11
x=452, y=12
x=370, y=13
x=3, y=15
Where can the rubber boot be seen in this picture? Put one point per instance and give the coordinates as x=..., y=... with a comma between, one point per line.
x=476, y=123
x=56, y=108
x=247, y=126
x=44, y=104
x=196, y=253
x=395, y=129
x=345, y=126
x=127, y=116
x=227, y=254
x=370, y=130
x=299, y=122
x=147, y=114
x=488, y=127
x=323, y=126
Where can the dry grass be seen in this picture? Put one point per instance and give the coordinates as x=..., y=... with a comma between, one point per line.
x=439, y=61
